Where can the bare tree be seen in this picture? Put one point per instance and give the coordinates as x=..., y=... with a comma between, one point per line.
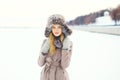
x=116, y=14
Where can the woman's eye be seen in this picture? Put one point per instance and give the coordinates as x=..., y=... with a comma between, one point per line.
x=56, y=27
x=59, y=27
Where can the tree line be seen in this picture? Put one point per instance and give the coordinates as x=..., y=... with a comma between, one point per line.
x=91, y=18
x=115, y=14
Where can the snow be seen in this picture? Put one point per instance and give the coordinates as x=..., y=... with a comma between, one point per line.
x=95, y=56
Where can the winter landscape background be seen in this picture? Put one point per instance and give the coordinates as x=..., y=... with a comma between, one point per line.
x=96, y=47
x=95, y=56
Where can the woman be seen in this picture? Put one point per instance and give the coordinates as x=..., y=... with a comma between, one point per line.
x=56, y=50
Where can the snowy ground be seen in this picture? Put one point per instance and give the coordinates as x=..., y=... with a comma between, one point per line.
x=95, y=56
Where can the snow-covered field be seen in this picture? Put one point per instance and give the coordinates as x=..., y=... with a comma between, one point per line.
x=95, y=56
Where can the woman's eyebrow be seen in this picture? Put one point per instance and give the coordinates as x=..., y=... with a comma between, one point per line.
x=53, y=26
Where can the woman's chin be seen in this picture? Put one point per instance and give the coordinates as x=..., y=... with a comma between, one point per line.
x=56, y=35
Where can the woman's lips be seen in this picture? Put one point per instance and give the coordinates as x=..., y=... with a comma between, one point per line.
x=56, y=32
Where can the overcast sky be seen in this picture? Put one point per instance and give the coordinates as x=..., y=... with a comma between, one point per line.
x=36, y=12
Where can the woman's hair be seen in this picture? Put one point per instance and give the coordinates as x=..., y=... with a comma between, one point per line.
x=51, y=40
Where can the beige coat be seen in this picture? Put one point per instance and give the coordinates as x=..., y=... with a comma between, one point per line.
x=54, y=66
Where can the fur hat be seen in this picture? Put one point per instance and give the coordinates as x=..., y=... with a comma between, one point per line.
x=57, y=19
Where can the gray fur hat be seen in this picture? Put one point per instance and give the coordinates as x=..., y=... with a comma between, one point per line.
x=57, y=19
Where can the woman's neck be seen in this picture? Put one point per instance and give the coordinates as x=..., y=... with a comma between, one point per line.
x=57, y=37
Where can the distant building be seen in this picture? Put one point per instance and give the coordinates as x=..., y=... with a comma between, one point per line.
x=104, y=20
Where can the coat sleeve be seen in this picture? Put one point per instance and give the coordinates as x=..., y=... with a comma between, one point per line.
x=41, y=58
x=66, y=56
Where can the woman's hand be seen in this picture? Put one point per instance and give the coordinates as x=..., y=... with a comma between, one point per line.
x=58, y=43
x=45, y=47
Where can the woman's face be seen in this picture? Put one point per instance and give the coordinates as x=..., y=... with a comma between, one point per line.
x=56, y=30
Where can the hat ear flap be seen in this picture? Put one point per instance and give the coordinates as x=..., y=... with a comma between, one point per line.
x=47, y=31
x=66, y=30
